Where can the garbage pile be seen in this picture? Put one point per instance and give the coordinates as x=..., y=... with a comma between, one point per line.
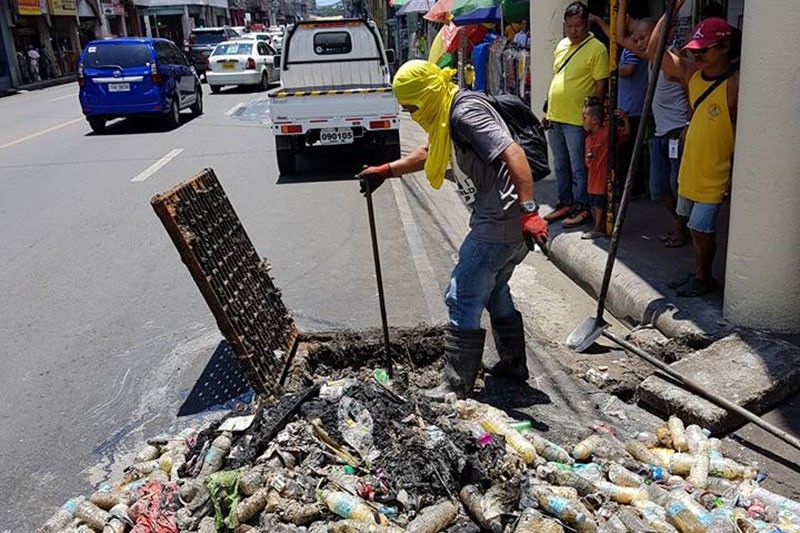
x=365, y=454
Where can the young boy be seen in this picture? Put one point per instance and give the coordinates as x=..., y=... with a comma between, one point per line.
x=596, y=159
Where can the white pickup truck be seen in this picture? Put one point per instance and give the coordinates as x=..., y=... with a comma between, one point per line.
x=335, y=92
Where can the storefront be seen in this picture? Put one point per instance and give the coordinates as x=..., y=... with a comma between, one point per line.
x=174, y=19
x=64, y=34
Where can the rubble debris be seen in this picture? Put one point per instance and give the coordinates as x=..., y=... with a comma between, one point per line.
x=356, y=452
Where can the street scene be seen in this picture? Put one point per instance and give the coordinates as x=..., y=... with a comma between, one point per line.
x=454, y=265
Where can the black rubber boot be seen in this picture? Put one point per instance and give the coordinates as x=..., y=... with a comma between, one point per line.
x=463, y=350
x=509, y=338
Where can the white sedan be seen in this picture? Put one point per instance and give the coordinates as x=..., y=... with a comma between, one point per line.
x=241, y=62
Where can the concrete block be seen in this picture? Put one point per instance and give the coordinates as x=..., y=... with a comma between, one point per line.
x=754, y=371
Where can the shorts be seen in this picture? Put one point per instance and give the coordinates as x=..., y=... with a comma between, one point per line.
x=598, y=200
x=663, y=170
x=702, y=217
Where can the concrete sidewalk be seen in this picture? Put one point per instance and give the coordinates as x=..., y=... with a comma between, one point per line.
x=44, y=84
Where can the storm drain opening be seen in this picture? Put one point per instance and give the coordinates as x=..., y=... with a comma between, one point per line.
x=233, y=279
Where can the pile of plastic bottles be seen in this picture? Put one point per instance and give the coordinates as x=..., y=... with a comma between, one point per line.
x=307, y=479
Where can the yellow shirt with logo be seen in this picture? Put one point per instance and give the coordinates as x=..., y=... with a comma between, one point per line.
x=708, y=154
x=576, y=81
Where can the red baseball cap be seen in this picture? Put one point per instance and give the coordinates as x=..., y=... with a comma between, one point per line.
x=709, y=31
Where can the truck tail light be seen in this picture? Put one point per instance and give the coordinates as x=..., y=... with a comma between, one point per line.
x=292, y=128
x=208, y=64
x=81, y=79
x=154, y=75
x=380, y=125
x=251, y=64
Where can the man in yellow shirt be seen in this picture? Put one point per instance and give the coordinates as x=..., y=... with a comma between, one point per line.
x=712, y=79
x=580, y=69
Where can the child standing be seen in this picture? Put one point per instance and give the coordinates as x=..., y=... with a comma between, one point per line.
x=596, y=159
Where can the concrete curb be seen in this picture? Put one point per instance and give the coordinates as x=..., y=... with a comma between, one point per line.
x=63, y=80
x=633, y=300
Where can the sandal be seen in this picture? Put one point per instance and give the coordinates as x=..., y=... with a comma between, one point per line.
x=591, y=235
x=679, y=282
x=578, y=219
x=675, y=242
x=696, y=287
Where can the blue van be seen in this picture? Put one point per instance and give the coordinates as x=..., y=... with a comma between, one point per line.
x=136, y=76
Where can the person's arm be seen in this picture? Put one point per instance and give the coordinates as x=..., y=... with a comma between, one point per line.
x=520, y=171
x=673, y=65
x=373, y=177
x=602, y=24
x=623, y=35
x=625, y=130
x=600, y=88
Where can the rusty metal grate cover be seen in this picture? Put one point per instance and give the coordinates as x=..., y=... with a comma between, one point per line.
x=234, y=281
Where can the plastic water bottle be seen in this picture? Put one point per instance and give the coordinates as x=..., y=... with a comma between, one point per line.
x=619, y=493
x=681, y=464
x=251, y=481
x=698, y=474
x=118, y=523
x=94, y=517
x=106, y=496
x=532, y=521
x=641, y=453
x=682, y=518
x=351, y=507
x=654, y=515
x=721, y=522
x=586, y=448
x=569, y=478
x=622, y=476
x=147, y=453
x=752, y=491
x=664, y=436
x=720, y=486
x=550, y=450
x=434, y=518
x=692, y=505
x=695, y=439
x=472, y=497
x=62, y=518
x=252, y=505
x=216, y=454
x=493, y=421
x=678, y=433
x=568, y=511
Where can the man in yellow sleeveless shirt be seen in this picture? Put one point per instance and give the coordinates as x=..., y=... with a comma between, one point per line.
x=704, y=181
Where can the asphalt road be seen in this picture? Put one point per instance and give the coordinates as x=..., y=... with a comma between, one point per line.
x=103, y=331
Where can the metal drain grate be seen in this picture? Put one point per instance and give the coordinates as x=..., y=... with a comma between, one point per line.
x=234, y=281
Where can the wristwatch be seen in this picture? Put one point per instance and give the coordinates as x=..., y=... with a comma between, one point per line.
x=529, y=207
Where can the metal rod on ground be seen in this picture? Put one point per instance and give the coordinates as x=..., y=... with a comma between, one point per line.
x=590, y=329
x=376, y=258
x=613, y=81
x=701, y=391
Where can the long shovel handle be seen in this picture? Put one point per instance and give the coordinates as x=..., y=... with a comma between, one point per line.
x=637, y=155
x=378, y=276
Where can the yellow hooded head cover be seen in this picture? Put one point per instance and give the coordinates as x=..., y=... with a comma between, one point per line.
x=426, y=86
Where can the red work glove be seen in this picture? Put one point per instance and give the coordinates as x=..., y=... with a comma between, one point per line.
x=534, y=228
x=373, y=177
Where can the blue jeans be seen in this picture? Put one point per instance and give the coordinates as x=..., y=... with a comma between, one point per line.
x=663, y=170
x=567, y=143
x=480, y=281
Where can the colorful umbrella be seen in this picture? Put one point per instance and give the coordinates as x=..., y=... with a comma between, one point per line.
x=416, y=6
x=513, y=10
x=440, y=12
x=473, y=33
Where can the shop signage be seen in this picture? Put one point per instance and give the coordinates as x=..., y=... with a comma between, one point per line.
x=29, y=7
x=64, y=7
x=113, y=8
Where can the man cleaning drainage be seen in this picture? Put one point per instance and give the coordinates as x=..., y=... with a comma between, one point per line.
x=494, y=177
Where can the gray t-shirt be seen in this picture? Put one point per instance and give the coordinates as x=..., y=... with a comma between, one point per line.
x=670, y=106
x=479, y=137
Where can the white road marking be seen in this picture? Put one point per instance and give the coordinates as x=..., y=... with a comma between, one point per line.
x=39, y=133
x=234, y=109
x=70, y=95
x=422, y=263
x=155, y=167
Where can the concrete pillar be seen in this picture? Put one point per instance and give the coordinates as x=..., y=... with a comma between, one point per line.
x=147, y=29
x=762, y=285
x=186, y=23
x=547, y=29
x=123, y=25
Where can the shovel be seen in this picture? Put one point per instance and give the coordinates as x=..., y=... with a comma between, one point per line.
x=592, y=328
x=379, y=278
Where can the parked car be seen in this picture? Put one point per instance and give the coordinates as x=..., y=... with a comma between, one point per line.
x=336, y=91
x=133, y=76
x=258, y=36
x=240, y=30
x=203, y=40
x=242, y=62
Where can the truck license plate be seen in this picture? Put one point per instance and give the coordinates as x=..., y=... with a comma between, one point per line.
x=119, y=87
x=336, y=136
x=228, y=66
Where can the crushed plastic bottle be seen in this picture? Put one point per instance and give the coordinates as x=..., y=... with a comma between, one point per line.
x=631, y=519
x=664, y=436
x=216, y=454
x=698, y=474
x=251, y=480
x=681, y=464
x=683, y=519
x=252, y=505
x=493, y=421
x=532, y=521
x=567, y=511
x=106, y=496
x=119, y=521
x=692, y=505
x=472, y=498
x=720, y=486
x=94, y=517
x=351, y=507
x=654, y=514
x=752, y=492
x=567, y=477
x=435, y=518
x=147, y=453
x=678, y=433
x=62, y=518
x=619, y=493
x=586, y=448
x=648, y=439
x=622, y=476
